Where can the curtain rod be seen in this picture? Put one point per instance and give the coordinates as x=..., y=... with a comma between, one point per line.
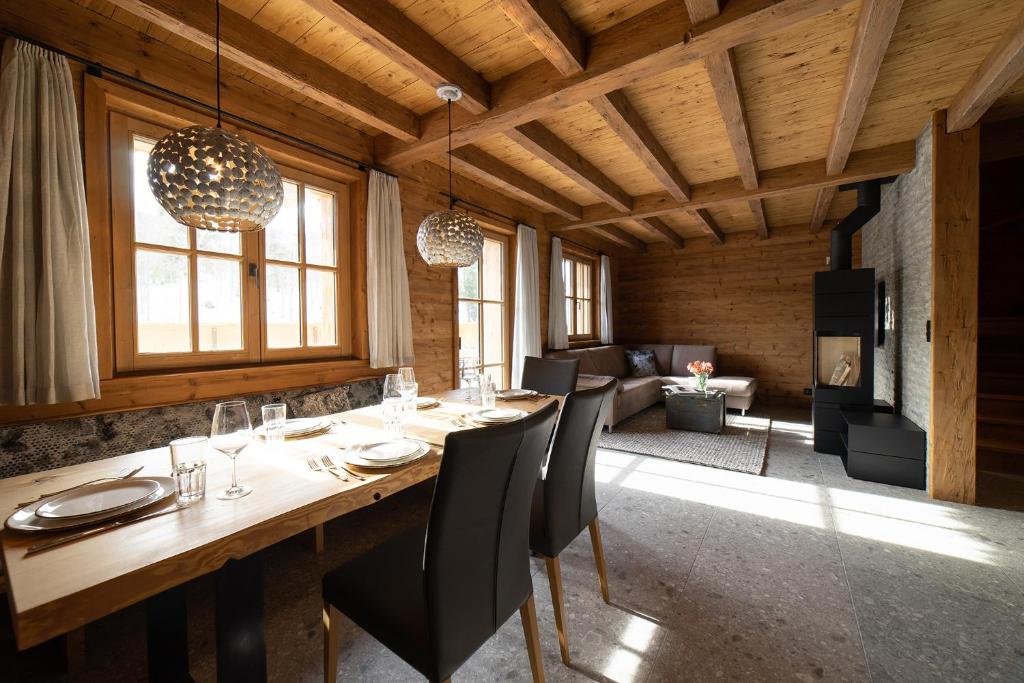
x=96, y=68
x=460, y=200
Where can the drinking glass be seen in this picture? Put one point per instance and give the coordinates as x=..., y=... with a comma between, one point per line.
x=471, y=378
x=407, y=374
x=487, y=391
x=393, y=405
x=231, y=432
x=188, y=466
x=274, y=417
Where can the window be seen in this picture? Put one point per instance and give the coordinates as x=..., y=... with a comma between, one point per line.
x=578, y=273
x=481, y=315
x=187, y=297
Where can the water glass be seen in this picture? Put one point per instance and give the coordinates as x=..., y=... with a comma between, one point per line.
x=230, y=434
x=487, y=392
x=393, y=405
x=188, y=467
x=274, y=417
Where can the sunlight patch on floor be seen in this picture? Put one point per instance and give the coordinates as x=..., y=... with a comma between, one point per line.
x=624, y=662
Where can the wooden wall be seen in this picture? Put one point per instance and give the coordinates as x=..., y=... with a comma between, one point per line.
x=750, y=298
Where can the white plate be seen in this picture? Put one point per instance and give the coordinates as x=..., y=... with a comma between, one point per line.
x=301, y=426
x=426, y=402
x=25, y=519
x=515, y=394
x=492, y=416
x=352, y=457
x=387, y=451
x=97, y=498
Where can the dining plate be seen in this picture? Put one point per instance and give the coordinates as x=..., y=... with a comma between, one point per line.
x=387, y=451
x=97, y=498
x=492, y=416
x=516, y=394
x=299, y=426
x=353, y=456
x=25, y=519
x=426, y=402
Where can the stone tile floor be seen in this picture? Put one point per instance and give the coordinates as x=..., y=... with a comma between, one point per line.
x=803, y=574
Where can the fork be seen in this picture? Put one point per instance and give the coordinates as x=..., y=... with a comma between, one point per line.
x=329, y=464
x=316, y=467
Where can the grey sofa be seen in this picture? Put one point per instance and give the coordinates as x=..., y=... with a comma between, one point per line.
x=598, y=364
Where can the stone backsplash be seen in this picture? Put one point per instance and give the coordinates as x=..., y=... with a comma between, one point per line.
x=41, y=446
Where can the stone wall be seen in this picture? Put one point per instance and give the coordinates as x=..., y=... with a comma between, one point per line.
x=897, y=243
x=48, y=445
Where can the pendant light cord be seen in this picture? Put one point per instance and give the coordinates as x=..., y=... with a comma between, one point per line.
x=451, y=202
x=218, y=62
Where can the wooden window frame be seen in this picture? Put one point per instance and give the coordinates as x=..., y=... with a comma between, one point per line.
x=578, y=256
x=508, y=238
x=121, y=390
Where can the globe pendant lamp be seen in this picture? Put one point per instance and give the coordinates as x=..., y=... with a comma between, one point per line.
x=449, y=239
x=213, y=179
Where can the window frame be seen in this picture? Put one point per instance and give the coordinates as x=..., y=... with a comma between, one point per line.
x=508, y=241
x=578, y=257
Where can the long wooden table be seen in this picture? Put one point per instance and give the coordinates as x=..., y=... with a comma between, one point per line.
x=59, y=590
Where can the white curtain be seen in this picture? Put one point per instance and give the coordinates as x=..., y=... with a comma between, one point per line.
x=606, y=300
x=47, y=314
x=526, y=324
x=387, y=282
x=558, y=336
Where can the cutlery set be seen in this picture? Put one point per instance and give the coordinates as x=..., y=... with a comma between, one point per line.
x=325, y=464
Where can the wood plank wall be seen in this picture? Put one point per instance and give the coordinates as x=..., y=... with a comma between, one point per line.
x=750, y=298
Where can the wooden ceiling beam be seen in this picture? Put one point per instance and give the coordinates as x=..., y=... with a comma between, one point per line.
x=626, y=122
x=708, y=225
x=620, y=236
x=269, y=55
x=385, y=28
x=551, y=31
x=879, y=162
x=643, y=46
x=545, y=145
x=874, y=31
x=473, y=161
x=822, y=203
x=760, y=220
x=661, y=228
x=1003, y=67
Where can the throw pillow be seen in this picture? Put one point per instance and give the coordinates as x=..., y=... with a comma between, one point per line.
x=641, y=363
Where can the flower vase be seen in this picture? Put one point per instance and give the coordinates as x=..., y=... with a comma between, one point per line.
x=702, y=384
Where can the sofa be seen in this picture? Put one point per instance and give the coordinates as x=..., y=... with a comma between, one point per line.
x=599, y=364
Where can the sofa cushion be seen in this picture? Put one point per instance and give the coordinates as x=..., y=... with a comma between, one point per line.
x=684, y=354
x=641, y=383
x=641, y=363
x=606, y=360
x=733, y=386
x=637, y=393
x=594, y=381
x=662, y=355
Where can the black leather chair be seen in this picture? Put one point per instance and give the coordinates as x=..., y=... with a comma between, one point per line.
x=434, y=595
x=564, y=501
x=550, y=375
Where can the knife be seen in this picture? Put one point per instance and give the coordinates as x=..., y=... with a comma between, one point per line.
x=46, y=545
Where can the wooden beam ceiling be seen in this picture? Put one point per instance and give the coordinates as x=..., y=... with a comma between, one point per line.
x=874, y=31
x=627, y=124
x=1003, y=67
x=708, y=225
x=551, y=31
x=865, y=164
x=385, y=28
x=725, y=81
x=620, y=236
x=473, y=161
x=545, y=145
x=659, y=226
x=640, y=47
x=273, y=57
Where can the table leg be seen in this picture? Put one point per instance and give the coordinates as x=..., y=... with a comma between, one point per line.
x=167, y=636
x=241, y=651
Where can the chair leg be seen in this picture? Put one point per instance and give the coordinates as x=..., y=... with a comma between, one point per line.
x=528, y=615
x=602, y=571
x=332, y=629
x=558, y=603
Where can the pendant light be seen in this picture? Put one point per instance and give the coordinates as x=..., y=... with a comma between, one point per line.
x=213, y=179
x=449, y=239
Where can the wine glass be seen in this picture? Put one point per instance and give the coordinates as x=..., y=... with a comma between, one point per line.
x=408, y=388
x=392, y=405
x=231, y=432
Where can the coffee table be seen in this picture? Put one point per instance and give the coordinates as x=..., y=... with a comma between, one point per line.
x=694, y=411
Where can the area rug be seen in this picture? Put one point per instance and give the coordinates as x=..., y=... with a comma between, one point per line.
x=742, y=446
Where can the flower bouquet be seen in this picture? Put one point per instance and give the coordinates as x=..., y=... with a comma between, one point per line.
x=701, y=369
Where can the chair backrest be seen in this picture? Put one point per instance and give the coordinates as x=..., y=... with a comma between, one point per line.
x=570, y=502
x=549, y=375
x=477, y=553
